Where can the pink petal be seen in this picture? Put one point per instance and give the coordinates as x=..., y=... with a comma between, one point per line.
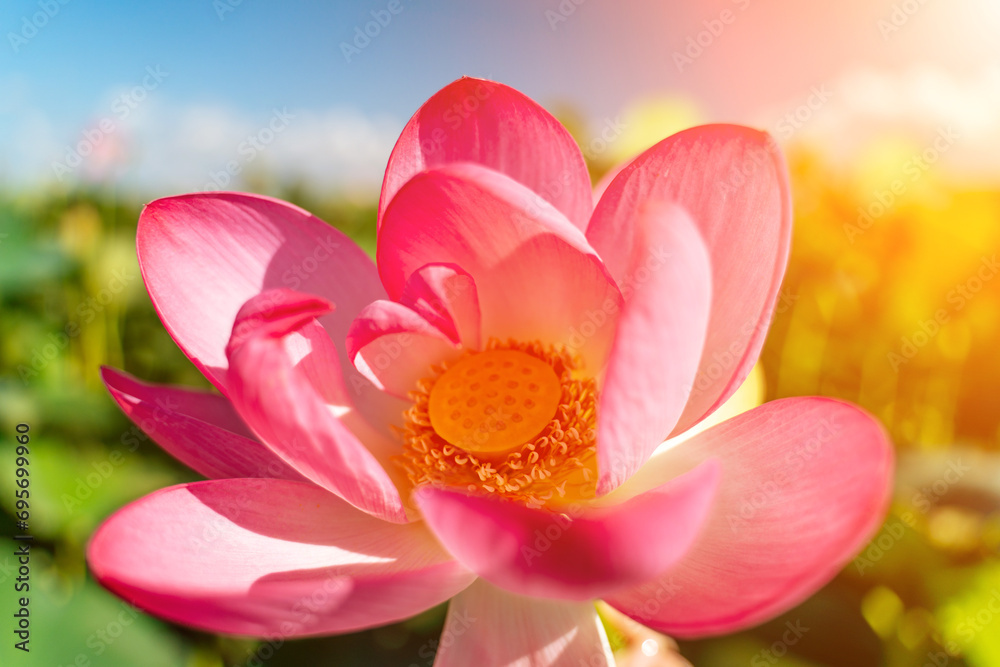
x=369, y=413
x=199, y=429
x=445, y=296
x=658, y=342
x=488, y=123
x=275, y=397
x=535, y=274
x=733, y=182
x=488, y=627
x=269, y=558
x=394, y=346
x=579, y=554
x=805, y=483
x=607, y=179
x=204, y=255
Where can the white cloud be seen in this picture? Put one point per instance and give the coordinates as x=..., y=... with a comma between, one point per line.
x=159, y=147
x=868, y=105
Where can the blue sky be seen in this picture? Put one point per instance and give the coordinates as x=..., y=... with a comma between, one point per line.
x=260, y=54
x=255, y=56
x=256, y=53
x=228, y=66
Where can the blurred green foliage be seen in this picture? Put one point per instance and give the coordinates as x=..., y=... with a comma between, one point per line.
x=72, y=300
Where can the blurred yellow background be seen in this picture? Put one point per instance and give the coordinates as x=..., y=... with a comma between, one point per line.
x=889, y=116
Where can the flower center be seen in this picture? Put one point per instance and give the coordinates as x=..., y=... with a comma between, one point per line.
x=516, y=419
x=495, y=401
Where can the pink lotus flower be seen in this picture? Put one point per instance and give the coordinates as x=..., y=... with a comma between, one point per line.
x=476, y=418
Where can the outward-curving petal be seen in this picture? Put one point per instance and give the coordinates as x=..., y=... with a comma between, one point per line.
x=733, y=182
x=204, y=255
x=273, y=394
x=658, y=341
x=488, y=123
x=805, y=483
x=490, y=627
x=536, y=276
x=265, y=557
x=199, y=429
x=581, y=553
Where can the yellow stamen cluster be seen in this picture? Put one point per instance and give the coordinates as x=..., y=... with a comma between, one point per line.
x=516, y=419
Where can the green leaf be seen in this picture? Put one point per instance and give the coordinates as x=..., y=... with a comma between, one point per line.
x=78, y=623
x=970, y=621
